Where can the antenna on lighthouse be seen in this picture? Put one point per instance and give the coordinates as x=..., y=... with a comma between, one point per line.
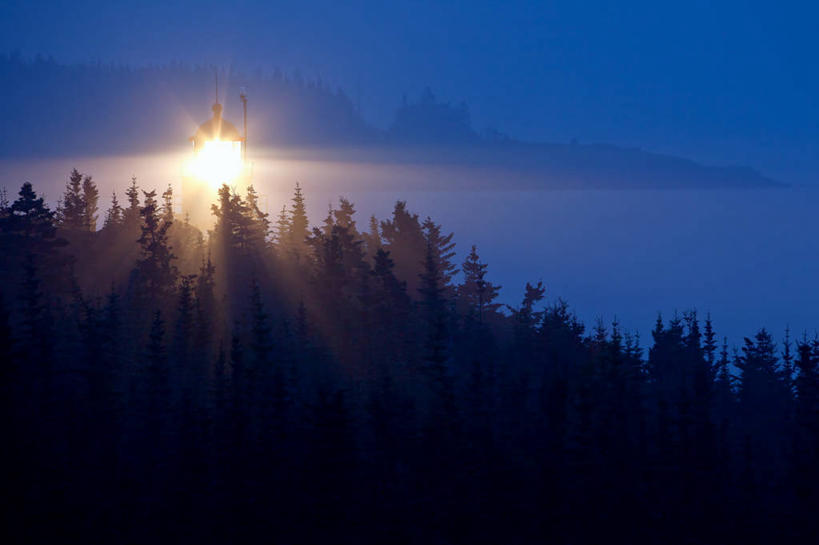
x=243, y=96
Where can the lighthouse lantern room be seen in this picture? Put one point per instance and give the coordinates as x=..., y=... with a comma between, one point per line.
x=218, y=158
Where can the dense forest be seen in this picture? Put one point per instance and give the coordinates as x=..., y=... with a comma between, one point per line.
x=269, y=381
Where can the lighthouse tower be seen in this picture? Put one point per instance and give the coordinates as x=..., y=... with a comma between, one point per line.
x=218, y=158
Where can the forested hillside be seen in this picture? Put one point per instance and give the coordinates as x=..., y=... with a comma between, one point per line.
x=350, y=383
x=50, y=109
x=121, y=109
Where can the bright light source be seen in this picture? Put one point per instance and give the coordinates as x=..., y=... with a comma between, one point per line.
x=218, y=162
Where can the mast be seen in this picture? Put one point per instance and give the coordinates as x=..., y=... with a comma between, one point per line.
x=243, y=97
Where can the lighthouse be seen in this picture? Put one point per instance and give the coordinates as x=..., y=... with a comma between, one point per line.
x=218, y=157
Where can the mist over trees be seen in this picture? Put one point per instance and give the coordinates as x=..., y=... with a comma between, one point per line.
x=350, y=382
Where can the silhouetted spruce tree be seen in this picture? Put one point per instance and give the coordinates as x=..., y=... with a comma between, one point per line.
x=4, y=202
x=363, y=311
x=475, y=292
x=155, y=268
x=343, y=217
x=391, y=304
x=328, y=259
x=231, y=244
x=404, y=240
x=560, y=333
x=72, y=214
x=281, y=232
x=167, y=205
x=28, y=237
x=372, y=238
x=188, y=244
x=760, y=378
x=724, y=408
x=788, y=368
x=617, y=419
x=90, y=201
x=763, y=401
x=443, y=250
x=339, y=259
x=259, y=228
x=435, y=319
x=299, y=228
x=131, y=214
x=29, y=226
x=228, y=210
x=669, y=373
x=329, y=221
x=526, y=318
x=724, y=380
x=710, y=344
x=340, y=278
x=615, y=391
x=634, y=358
x=115, y=215
x=477, y=353
x=702, y=433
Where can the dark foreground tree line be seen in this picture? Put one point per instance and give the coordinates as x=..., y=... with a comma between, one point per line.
x=269, y=382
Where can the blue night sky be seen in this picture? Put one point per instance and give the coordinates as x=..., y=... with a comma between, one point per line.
x=732, y=83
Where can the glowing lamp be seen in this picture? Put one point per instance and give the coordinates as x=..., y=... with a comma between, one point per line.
x=217, y=150
x=218, y=162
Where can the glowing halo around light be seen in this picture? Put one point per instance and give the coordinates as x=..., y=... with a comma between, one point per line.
x=217, y=162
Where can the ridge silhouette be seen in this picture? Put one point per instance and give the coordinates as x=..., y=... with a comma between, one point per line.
x=122, y=110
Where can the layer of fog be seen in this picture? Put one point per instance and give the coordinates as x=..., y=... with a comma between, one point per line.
x=746, y=256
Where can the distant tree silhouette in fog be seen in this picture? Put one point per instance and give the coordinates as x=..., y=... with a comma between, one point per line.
x=269, y=381
x=429, y=121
